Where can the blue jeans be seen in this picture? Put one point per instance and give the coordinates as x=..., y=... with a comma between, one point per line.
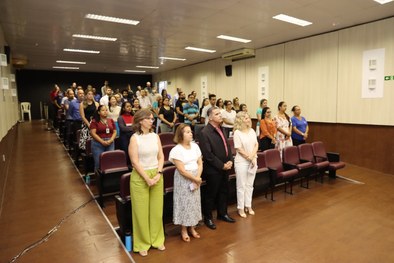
x=97, y=149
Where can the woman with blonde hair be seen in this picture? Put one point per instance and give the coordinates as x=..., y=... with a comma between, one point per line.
x=146, y=184
x=245, y=162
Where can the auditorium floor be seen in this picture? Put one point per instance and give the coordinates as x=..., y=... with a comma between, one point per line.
x=337, y=221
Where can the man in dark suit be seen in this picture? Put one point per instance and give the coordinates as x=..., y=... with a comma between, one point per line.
x=218, y=160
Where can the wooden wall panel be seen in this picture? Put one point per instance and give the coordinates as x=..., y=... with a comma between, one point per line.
x=368, y=146
x=6, y=147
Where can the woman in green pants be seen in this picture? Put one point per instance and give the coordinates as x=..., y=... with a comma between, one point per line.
x=146, y=185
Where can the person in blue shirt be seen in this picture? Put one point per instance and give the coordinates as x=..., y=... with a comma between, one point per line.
x=300, y=129
x=190, y=111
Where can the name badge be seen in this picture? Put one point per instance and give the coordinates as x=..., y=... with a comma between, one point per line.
x=107, y=130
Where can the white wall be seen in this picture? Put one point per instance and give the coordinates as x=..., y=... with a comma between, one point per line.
x=9, y=113
x=322, y=74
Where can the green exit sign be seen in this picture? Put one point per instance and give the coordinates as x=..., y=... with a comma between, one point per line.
x=388, y=77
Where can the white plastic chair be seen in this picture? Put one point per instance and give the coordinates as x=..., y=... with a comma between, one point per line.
x=25, y=108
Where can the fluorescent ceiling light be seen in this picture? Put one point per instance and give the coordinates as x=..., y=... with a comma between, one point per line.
x=237, y=39
x=70, y=62
x=95, y=37
x=81, y=51
x=134, y=71
x=169, y=58
x=65, y=67
x=113, y=19
x=147, y=67
x=201, y=49
x=292, y=20
x=382, y=2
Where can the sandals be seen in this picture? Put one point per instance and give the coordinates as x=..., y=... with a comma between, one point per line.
x=143, y=253
x=194, y=233
x=185, y=236
x=241, y=213
x=250, y=211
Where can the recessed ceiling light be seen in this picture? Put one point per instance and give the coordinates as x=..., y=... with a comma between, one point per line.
x=147, y=67
x=65, y=67
x=292, y=20
x=81, y=51
x=134, y=71
x=201, y=49
x=237, y=39
x=70, y=62
x=170, y=58
x=113, y=19
x=95, y=37
x=382, y=2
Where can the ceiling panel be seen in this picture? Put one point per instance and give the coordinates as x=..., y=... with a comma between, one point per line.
x=40, y=30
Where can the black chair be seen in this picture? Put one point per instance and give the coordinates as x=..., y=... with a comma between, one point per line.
x=279, y=172
x=333, y=158
x=112, y=165
x=305, y=168
x=123, y=206
x=87, y=158
x=168, y=177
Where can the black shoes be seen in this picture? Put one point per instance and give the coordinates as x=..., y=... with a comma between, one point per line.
x=226, y=218
x=209, y=223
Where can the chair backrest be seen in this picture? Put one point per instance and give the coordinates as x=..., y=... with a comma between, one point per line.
x=261, y=160
x=78, y=135
x=168, y=176
x=319, y=150
x=272, y=159
x=166, y=151
x=231, y=144
x=25, y=106
x=306, y=152
x=197, y=130
x=166, y=138
x=290, y=155
x=112, y=161
x=88, y=147
x=125, y=186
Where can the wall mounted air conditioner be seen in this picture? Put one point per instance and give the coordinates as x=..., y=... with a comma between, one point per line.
x=239, y=54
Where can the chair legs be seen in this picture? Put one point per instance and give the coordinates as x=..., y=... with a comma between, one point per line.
x=332, y=174
x=291, y=187
x=307, y=182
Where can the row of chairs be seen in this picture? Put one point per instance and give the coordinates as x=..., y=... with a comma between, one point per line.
x=298, y=163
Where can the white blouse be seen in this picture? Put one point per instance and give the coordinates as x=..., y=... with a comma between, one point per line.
x=148, y=149
x=188, y=157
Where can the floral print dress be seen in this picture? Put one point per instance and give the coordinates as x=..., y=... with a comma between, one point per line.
x=282, y=141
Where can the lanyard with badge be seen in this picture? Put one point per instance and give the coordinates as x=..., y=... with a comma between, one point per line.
x=106, y=126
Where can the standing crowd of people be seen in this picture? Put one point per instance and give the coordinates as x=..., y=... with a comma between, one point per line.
x=135, y=119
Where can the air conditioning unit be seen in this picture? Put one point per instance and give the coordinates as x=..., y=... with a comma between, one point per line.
x=239, y=54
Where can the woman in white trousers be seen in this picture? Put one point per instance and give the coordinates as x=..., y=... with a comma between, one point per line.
x=245, y=163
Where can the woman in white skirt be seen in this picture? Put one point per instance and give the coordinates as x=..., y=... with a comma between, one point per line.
x=245, y=163
x=186, y=156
